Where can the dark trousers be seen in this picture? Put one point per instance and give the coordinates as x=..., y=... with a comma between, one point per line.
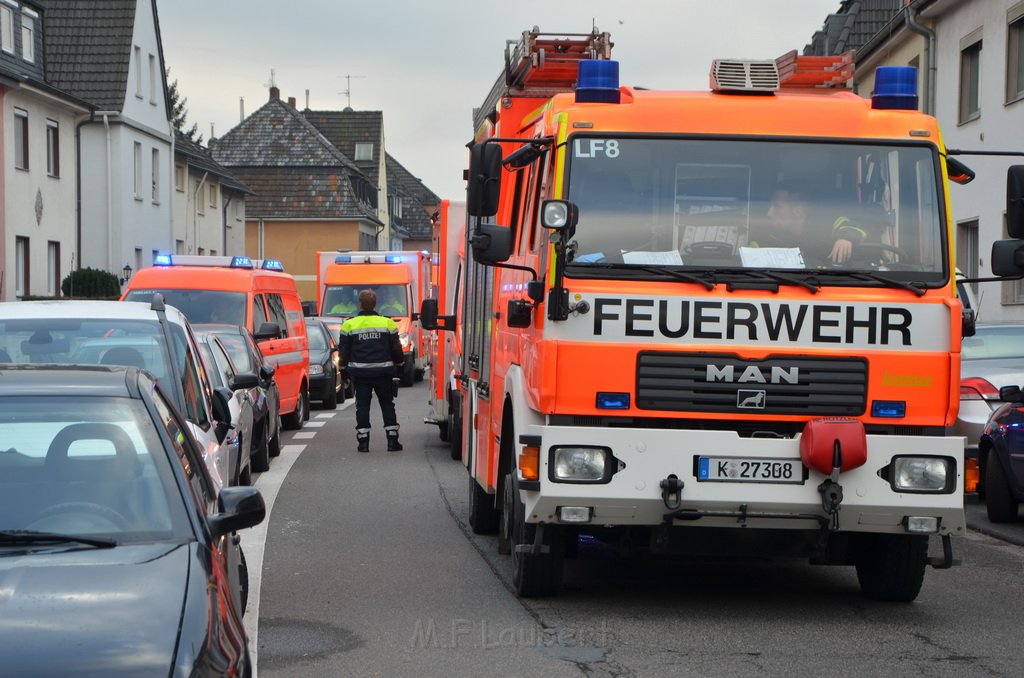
x=365, y=388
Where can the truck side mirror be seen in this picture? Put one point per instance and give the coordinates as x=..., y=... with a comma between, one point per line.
x=484, y=183
x=520, y=313
x=1015, y=201
x=492, y=244
x=428, y=314
x=1008, y=258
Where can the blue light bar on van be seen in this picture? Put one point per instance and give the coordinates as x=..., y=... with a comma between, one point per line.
x=598, y=82
x=345, y=259
x=241, y=262
x=392, y=259
x=889, y=409
x=162, y=260
x=272, y=265
x=895, y=88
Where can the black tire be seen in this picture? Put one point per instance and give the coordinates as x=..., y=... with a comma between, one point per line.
x=294, y=420
x=507, y=515
x=442, y=430
x=535, y=575
x=274, y=444
x=260, y=458
x=890, y=567
x=245, y=477
x=306, y=406
x=455, y=431
x=417, y=374
x=243, y=579
x=1002, y=506
x=483, y=516
x=331, y=401
x=407, y=372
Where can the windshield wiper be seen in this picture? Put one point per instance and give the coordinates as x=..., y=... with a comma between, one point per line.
x=19, y=537
x=658, y=270
x=888, y=282
x=777, y=277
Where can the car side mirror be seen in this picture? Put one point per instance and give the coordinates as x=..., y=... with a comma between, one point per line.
x=222, y=412
x=244, y=381
x=268, y=331
x=238, y=507
x=267, y=372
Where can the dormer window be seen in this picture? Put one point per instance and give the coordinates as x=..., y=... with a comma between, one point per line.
x=28, y=34
x=364, y=151
x=7, y=28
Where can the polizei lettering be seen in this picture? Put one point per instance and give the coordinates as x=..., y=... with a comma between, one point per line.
x=753, y=321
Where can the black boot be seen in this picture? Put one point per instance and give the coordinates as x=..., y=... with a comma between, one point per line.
x=364, y=443
x=393, y=444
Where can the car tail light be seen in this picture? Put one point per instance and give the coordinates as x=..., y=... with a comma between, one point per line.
x=976, y=388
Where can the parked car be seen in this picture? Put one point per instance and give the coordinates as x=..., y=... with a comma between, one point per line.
x=1002, y=449
x=151, y=335
x=325, y=380
x=991, y=359
x=333, y=325
x=235, y=385
x=246, y=355
x=117, y=552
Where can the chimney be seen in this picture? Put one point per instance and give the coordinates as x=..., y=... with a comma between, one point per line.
x=275, y=93
x=291, y=101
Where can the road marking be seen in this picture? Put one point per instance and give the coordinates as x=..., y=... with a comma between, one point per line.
x=325, y=415
x=254, y=539
x=316, y=424
x=303, y=435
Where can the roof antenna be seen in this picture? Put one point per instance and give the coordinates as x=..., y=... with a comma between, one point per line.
x=348, y=88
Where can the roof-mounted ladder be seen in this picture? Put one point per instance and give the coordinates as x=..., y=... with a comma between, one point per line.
x=815, y=71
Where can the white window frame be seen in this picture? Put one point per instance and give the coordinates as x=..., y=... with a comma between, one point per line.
x=179, y=178
x=21, y=249
x=138, y=71
x=152, y=79
x=53, y=148
x=7, y=27
x=52, y=268
x=969, y=88
x=156, y=175
x=28, y=34
x=363, y=150
x=137, y=170
x=1015, y=53
x=213, y=194
x=21, y=140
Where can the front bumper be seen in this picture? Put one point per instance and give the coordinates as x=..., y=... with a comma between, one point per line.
x=646, y=457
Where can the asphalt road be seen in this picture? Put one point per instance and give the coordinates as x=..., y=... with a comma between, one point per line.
x=369, y=569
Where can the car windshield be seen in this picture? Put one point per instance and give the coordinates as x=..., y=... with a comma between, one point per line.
x=343, y=300
x=86, y=466
x=317, y=337
x=238, y=350
x=737, y=205
x=991, y=342
x=200, y=306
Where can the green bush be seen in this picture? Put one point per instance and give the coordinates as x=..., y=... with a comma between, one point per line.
x=91, y=283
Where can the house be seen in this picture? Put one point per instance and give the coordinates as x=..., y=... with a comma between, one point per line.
x=209, y=203
x=39, y=175
x=108, y=53
x=970, y=60
x=308, y=196
x=412, y=205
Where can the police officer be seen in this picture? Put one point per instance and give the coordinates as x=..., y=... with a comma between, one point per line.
x=372, y=354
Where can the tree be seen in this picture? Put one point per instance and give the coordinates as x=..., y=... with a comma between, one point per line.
x=179, y=111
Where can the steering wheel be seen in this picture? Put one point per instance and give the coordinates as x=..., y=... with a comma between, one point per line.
x=881, y=248
x=710, y=248
x=79, y=516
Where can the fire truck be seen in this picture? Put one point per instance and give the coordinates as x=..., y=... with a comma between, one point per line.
x=444, y=348
x=712, y=322
x=398, y=277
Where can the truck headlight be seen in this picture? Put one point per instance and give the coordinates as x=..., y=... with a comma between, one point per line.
x=403, y=337
x=316, y=369
x=580, y=464
x=922, y=474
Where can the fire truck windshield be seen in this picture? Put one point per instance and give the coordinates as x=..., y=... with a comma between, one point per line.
x=763, y=204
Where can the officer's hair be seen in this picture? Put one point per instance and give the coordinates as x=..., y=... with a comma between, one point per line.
x=367, y=300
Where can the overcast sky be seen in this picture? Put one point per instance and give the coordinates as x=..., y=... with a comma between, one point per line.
x=427, y=63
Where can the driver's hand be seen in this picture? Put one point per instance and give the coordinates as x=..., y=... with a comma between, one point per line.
x=841, y=252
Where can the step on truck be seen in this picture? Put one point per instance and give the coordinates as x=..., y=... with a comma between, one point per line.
x=399, y=278
x=712, y=322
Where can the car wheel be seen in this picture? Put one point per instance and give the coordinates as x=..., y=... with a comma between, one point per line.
x=274, y=445
x=330, y=402
x=294, y=420
x=260, y=459
x=999, y=500
x=306, y=406
x=243, y=579
x=890, y=567
x=245, y=477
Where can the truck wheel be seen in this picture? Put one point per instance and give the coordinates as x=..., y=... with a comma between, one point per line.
x=507, y=513
x=535, y=575
x=455, y=430
x=890, y=567
x=483, y=517
x=999, y=500
x=407, y=372
x=417, y=375
x=294, y=420
x=442, y=429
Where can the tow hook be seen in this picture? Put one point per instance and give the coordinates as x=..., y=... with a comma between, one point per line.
x=672, y=492
x=830, y=490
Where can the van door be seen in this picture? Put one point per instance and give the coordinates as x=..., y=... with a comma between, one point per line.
x=285, y=354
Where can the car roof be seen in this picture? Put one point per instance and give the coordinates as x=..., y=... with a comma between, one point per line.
x=86, y=309
x=67, y=380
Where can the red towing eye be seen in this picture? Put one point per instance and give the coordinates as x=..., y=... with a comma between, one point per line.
x=830, y=446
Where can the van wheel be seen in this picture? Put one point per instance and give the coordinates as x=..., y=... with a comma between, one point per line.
x=294, y=420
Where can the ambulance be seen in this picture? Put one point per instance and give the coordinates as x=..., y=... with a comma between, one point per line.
x=255, y=293
x=399, y=278
x=444, y=348
x=712, y=322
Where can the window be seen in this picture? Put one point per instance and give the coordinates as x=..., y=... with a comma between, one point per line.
x=53, y=148
x=156, y=176
x=152, y=79
x=7, y=29
x=213, y=195
x=21, y=266
x=1015, y=53
x=138, y=71
x=179, y=178
x=967, y=249
x=197, y=193
x=28, y=34
x=137, y=171
x=20, y=139
x=179, y=246
x=970, y=78
x=277, y=313
x=52, y=268
x=202, y=251
x=138, y=258
x=364, y=151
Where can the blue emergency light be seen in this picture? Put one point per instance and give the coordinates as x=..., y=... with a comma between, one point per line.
x=343, y=259
x=598, y=82
x=895, y=88
x=392, y=259
x=241, y=262
x=889, y=409
x=612, y=401
x=272, y=265
x=162, y=260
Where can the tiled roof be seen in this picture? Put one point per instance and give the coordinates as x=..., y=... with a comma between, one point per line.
x=87, y=45
x=347, y=127
x=418, y=201
x=301, y=193
x=200, y=158
x=854, y=24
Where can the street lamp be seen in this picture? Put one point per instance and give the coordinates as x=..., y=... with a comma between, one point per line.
x=126, y=273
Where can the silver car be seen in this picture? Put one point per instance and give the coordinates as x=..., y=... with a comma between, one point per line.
x=991, y=359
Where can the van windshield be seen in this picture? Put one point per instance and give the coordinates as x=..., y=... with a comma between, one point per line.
x=200, y=306
x=343, y=300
